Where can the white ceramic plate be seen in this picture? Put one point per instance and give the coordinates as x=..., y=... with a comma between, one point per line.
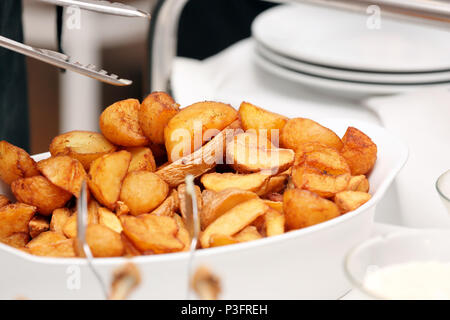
x=342, y=39
x=348, y=89
x=356, y=76
x=302, y=264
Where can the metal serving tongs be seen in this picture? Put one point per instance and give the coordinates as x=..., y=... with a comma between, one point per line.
x=118, y=9
x=82, y=246
x=63, y=61
x=201, y=280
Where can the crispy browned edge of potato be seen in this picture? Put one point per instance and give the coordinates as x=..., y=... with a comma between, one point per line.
x=175, y=172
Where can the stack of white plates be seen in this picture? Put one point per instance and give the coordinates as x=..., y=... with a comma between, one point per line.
x=341, y=51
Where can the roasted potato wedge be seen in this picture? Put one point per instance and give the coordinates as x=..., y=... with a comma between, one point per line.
x=181, y=192
x=106, y=176
x=103, y=241
x=314, y=180
x=85, y=146
x=119, y=123
x=298, y=131
x=303, y=208
x=15, y=163
x=141, y=159
x=221, y=203
x=327, y=160
x=218, y=240
x=41, y=193
x=274, y=185
x=121, y=208
x=192, y=126
x=3, y=201
x=234, y=220
x=201, y=161
x=143, y=191
x=37, y=225
x=59, y=219
x=358, y=183
x=274, y=222
x=155, y=113
x=70, y=227
x=351, y=200
x=52, y=244
x=276, y=205
x=217, y=182
x=130, y=249
x=64, y=172
x=14, y=218
x=249, y=233
x=17, y=240
x=359, y=151
x=246, y=158
x=183, y=233
x=109, y=219
x=157, y=234
x=266, y=123
x=169, y=206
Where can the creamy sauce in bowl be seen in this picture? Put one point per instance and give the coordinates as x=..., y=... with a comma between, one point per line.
x=413, y=280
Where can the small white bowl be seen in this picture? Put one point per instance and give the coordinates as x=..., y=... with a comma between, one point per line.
x=397, y=248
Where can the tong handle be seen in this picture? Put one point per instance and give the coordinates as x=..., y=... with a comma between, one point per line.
x=116, y=8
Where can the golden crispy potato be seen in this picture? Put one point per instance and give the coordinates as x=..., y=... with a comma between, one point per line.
x=169, y=206
x=314, y=180
x=183, y=233
x=85, y=146
x=274, y=196
x=109, y=219
x=351, y=200
x=143, y=191
x=70, y=227
x=217, y=182
x=276, y=205
x=41, y=193
x=157, y=234
x=106, y=176
x=52, y=244
x=327, y=160
x=119, y=123
x=218, y=240
x=359, y=151
x=129, y=248
x=298, y=131
x=15, y=218
x=64, y=172
x=3, y=201
x=303, y=208
x=234, y=220
x=103, y=241
x=263, y=121
x=246, y=157
x=15, y=163
x=249, y=233
x=155, y=113
x=358, y=183
x=193, y=125
x=274, y=185
x=59, y=219
x=181, y=191
x=121, y=208
x=274, y=222
x=207, y=196
x=141, y=159
x=201, y=161
x=37, y=225
x=17, y=240
x=221, y=203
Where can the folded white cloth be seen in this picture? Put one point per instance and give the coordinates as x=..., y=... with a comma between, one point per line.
x=422, y=119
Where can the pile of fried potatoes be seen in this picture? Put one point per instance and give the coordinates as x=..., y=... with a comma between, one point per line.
x=258, y=174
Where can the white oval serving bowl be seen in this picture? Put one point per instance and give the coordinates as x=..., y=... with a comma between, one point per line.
x=302, y=264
